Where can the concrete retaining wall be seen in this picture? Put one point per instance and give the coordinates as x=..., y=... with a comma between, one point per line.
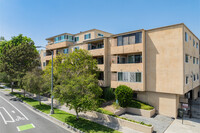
x=141, y=112
x=94, y=116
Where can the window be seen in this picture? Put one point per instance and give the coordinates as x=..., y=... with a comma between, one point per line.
x=87, y=36
x=66, y=36
x=138, y=77
x=100, y=60
x=44, y=54
x=186, y=58
x=70, y=38
x=190, y=38
x=120, y=76
x=96, y=46
x=186, y=80
x=65, y=51
x=134, y=58
x=99, y=34
x=197, y=45
x=197, y=61
x=44, y=64
x=197, y=76
x=121, y=60
x=194, y=77
x=129, y=39
x=62, y=37
x=138, y=37
x=194, y=60
x=130, y=76
x=123, y=76
x=119, y=41
x=193, y=42
x=101, y=76
x=59, y=38
x=76, y=39
x=186, y=36
x=76, y=48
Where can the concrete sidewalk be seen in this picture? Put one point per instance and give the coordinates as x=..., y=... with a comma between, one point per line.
x=190, y=125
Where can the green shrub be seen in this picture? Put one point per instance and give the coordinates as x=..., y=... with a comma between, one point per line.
x=108, y=94
x=124, y=95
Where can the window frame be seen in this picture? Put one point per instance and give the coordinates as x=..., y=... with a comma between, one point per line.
x=194, y=60
x=186, y=80
x=85, y=36
x=186, y=37
x=76, y=39
x=186, y=58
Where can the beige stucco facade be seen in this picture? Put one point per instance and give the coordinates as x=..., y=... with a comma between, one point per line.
x=151, y=62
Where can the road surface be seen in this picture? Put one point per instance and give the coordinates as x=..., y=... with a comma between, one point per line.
x=15, y=118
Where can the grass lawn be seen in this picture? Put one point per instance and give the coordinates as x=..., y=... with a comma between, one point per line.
x=140, y=105
x=81, y=124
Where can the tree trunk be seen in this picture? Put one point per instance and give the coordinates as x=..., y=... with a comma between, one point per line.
x=77, y=116
x=11, y=88
x=24, y=93
x=39, y=99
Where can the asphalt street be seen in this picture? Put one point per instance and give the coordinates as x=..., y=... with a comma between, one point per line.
x=14, y=115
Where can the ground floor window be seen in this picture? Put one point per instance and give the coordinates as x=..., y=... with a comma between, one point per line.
x=130, y=76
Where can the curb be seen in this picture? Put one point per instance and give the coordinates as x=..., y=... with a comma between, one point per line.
x=50, y=117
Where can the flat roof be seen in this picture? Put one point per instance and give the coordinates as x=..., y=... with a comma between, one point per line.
x=76, y=33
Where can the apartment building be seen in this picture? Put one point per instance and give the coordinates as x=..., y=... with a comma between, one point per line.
x=161, y=65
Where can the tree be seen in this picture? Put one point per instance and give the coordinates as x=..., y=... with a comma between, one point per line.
x=18, y=56
x=124, y=95
x=33, y=82
x=56, y=63
x=2, y=38
x=78, y=83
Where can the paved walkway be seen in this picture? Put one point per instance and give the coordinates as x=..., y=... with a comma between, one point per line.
x=189, y=126
x=159, y=122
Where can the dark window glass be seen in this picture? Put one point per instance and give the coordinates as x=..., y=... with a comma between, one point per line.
x=138, y=77
x=119, y=41
x=101, y=76
x=120, y=76
x=100, y=60
x=138, y=58
x=186, y=36
x=186, y=80
x=89, y=46
x=186, y=58
x=138, y=37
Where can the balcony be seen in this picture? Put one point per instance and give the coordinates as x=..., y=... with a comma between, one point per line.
x=58, y=45
x=134, y=86
x=125, y=49
x=127, y=67
x=97, y=52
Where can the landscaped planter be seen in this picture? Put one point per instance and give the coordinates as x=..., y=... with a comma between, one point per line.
x=141, y=112
x=95, y=116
